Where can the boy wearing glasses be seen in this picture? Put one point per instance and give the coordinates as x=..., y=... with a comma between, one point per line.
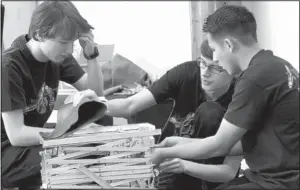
x=262, y=120
x=202, y=91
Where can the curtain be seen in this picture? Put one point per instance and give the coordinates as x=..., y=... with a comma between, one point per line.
x=199, y=11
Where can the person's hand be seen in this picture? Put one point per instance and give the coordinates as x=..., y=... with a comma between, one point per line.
x=80, y=95
x=175, y=165
x=87, y=43
x=102, y=99
x=121, y=88
x=169, y=141
x=157, y=156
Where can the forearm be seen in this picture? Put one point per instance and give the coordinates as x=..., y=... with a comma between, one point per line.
x=118, y=108
x=112, y=90
x=186, y=141
x=95, y=77
x=212, y=173
x=29, y=136
x=198, y=149
x=236, y=150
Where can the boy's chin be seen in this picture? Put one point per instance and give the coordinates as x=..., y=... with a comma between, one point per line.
x=57, y=60
x=207, y=87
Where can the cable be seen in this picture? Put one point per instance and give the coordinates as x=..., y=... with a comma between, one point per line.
x=165, y=125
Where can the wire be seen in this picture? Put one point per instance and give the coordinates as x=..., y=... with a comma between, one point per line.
x=165, y=125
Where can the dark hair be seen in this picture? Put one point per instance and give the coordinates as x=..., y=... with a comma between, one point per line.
x=53, y=19
x=232, y=20
x=205, y=50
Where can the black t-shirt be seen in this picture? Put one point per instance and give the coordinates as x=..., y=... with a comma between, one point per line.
x=32, y=86
x=266, y=103
x=183, y=84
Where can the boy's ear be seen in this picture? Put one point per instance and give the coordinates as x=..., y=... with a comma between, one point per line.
x=232, y=44
x=229, y=44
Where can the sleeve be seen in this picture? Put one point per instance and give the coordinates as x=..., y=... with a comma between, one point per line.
x=12, y=90
x=70, y=71
x=248, y=104
x=168, y=85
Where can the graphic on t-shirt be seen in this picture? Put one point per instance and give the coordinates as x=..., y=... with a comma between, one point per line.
x=45, y=101
x=184, y=127
x=291, y=77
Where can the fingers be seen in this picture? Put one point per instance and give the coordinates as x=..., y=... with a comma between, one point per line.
x=87, y=40
x=102, y=99
x=84, y=40
x=162, y=144
x=169, y=163
x=172, y=166
x=171, y=169
x=87, y=36
x=156, y=156
x=123, y=86
x=79, y=96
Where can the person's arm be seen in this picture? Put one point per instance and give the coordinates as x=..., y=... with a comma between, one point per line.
x=218, y=145
x=13, y=103
x=174, y=140
x=215, y=173
x=236, y=150
x=131, y=105
x=18, y=133
x=165, y=87
x=112, y=90
x=93, y=79
x=247, y=106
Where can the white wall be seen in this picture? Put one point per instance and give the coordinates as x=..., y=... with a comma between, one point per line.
x=278, y=27
x=154, y=35
x=158, y=33
x=16, y=19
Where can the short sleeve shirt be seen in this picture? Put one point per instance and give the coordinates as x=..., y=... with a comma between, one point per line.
x=30, y=85
x=266, y=103
x=182, y=83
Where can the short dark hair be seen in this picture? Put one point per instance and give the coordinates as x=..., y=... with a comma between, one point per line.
x=233, y=20
x=53, y=19
x=205, y=50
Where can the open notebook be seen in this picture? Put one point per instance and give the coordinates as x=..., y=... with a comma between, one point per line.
x=70, y=118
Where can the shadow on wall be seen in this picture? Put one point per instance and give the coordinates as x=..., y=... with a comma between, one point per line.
x=116, y=69
x=17, y=19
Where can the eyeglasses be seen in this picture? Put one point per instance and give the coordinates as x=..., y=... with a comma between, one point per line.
x=216, y=69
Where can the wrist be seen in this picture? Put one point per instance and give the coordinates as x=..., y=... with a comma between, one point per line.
x=89, y=49
x=185, y=166
x=91, y=52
